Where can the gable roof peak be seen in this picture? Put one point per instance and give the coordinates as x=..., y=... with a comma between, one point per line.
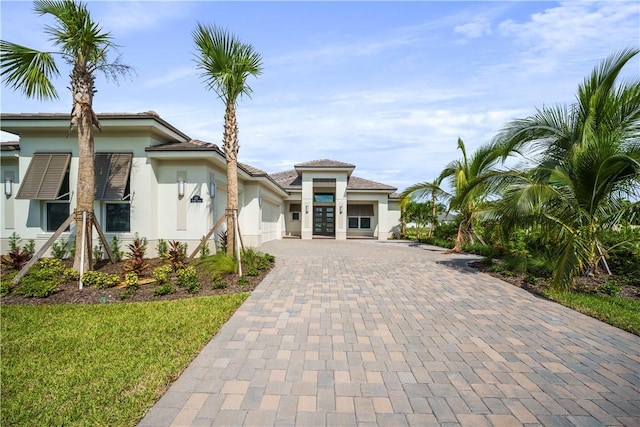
x=324, y=163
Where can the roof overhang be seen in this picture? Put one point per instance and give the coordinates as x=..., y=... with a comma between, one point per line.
x=24, y=124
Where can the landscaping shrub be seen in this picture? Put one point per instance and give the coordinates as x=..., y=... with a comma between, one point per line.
x=609, y=288
x=218, y=282
x=6, y=282
x=164, y=289
x=131, y=279
x=18, y=256
x=219, y=263
x=44, y=278
x=100, y=280
x=204, y=249
x=98, y=253
x=623, y=247
x=162, y=274
x=137, y=250
x=115, y=249
x=255, y=261
x=188, y=279
x=243, y=281
x=222, y=241
x=177, y=255
x=60, y=250
x=162, y=249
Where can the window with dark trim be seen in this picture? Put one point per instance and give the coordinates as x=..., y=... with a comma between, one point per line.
x=359, y=216
x=57, y=213
x=118, y=217
x=359, y=222
x=295, y=216
x=323, y=197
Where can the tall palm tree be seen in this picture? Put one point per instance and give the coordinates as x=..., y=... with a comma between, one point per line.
x=84, y=46
x=466, y=196
x=226, y=64
x=587, y=161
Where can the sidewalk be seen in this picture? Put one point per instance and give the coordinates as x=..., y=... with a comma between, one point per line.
x=346, y=333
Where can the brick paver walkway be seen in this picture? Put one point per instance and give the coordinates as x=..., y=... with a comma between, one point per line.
x=391, y=333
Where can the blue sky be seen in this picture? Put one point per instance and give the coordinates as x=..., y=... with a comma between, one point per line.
x=387, y=86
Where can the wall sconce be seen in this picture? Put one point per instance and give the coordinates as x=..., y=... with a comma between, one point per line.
x=340, y=209
x=306, y=208
x=212, y=190
x=180, y=187
x=8, y=187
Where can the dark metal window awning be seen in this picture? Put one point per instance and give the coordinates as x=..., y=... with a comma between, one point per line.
x=44, y=176
x=295, y=207
x=112, y=175
x=359, y=210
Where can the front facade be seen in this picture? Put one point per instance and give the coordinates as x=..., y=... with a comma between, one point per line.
x=153, y=180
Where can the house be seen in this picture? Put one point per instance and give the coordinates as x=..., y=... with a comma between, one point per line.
x=153, y=179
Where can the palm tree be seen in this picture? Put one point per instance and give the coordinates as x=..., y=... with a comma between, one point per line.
x=587, y=162
x=423, y=191
x=226, y=63
x=465, y=197
x=84, y=46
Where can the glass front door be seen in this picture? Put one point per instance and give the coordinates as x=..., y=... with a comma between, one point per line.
x=324, y=220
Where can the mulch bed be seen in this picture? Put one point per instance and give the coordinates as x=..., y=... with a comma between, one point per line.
x=585, y=284
x=69, y=293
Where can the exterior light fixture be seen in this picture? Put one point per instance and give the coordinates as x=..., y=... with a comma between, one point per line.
x=180, y=187
x=8, y=187
x=340, y=209
x=212, y=190
x=306, y=208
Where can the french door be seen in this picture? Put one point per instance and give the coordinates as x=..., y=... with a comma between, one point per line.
x=324, y=221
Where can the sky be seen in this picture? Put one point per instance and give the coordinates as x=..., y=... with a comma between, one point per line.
x=386, y=86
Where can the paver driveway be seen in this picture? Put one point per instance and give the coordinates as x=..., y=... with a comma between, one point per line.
x=393, y=333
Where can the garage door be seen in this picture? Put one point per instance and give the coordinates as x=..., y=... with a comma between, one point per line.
x=270, y=221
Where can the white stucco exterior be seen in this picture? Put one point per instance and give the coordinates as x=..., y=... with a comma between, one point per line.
x=161, y=156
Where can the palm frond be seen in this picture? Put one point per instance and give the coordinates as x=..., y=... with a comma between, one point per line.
x=28, y=70
x=225, y=62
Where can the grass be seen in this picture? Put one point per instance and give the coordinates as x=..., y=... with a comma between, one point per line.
x=619, y=312
x=98, y=365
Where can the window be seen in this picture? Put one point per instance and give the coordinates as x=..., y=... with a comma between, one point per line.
x=359, y=222
x=359, y=216
x=118, y=217
x=57, y=213
x=323, y=197
x=295, y=216
x=353, y=222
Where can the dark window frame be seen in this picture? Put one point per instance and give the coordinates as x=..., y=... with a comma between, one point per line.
x=50, y=226
x=109, y=224
x=359, y=222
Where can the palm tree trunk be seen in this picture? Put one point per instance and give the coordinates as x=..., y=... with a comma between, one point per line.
x=84, y=118
x=231, y=148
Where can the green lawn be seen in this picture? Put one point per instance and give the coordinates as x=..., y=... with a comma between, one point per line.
x=99, y=365
x=619, y=312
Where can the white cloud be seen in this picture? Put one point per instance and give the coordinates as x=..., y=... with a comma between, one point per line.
x=123, y=18
x=474, y=29
x=171, y=76
x=580, y=25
